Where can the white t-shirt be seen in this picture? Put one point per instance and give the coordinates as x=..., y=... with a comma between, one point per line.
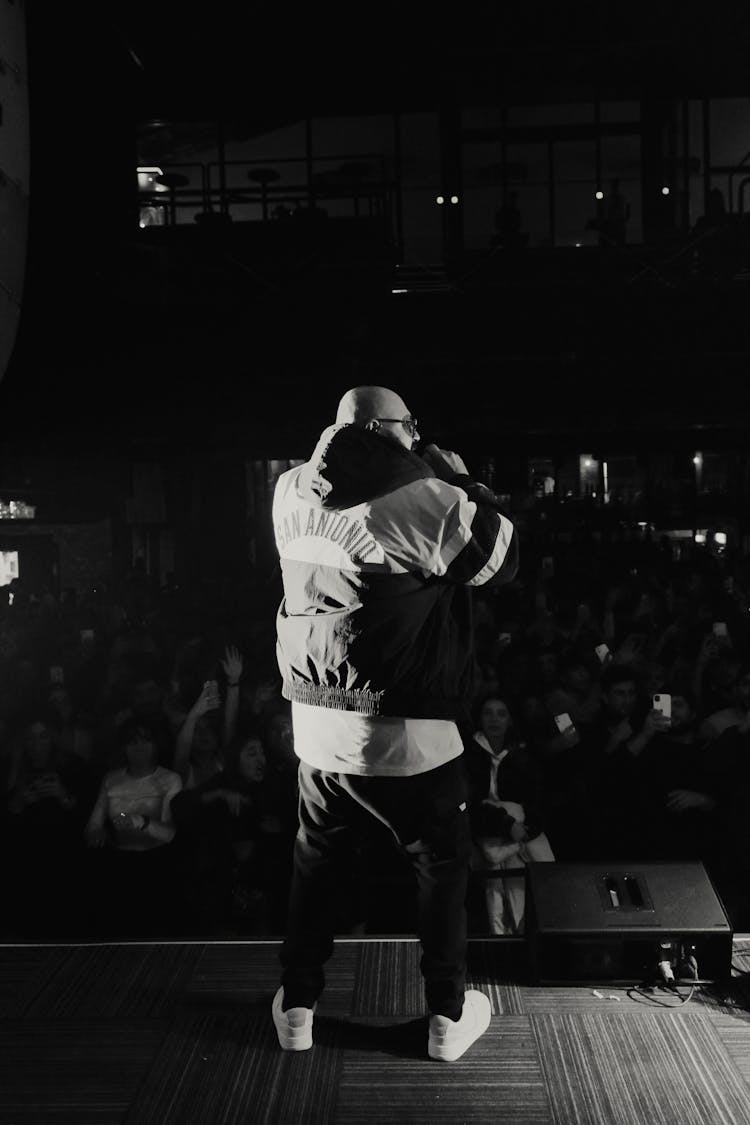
x=372, y=745
x=148, y=796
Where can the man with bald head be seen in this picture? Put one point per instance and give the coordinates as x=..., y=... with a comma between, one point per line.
x=380, y=548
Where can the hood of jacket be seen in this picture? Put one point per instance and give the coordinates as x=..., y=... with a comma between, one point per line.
x=350, y=465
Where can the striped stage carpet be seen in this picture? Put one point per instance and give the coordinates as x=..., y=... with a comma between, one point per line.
x=181, y=1034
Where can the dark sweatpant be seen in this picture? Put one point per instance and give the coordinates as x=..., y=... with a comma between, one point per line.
x=428, y=817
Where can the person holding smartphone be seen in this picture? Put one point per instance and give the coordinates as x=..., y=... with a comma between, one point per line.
x=380, y=549
x=677, y=782
x=605, y=781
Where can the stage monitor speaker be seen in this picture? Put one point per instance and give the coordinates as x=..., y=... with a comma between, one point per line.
x=624, y=923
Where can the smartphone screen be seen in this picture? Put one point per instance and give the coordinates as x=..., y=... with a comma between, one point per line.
x=564, y=722
x=720, y=629
x=602, y=651
x=663, y=704
x=212, y=687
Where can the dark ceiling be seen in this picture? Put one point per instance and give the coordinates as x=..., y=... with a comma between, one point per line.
x=272, y=62
x=97, y=71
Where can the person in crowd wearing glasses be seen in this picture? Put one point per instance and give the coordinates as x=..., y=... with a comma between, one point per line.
x=380, y=549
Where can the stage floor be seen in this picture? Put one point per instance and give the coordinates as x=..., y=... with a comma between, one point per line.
x=176, y=1034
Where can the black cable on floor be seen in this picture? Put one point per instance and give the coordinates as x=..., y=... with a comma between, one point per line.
x=682, y=1000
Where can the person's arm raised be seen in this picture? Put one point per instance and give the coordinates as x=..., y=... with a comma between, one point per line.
x=232, y=665
x=206, y=701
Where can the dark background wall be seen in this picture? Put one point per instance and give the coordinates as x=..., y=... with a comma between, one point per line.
x=185, y=343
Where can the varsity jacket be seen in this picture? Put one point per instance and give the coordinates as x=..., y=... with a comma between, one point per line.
x=378, y=558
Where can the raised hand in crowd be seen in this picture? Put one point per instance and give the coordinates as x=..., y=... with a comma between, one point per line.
x=563, y=740
x=654, y=723
x=618, y=736
x=196, y=738
x=232, y=665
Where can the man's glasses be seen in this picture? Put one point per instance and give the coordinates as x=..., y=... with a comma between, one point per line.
x=409, y=423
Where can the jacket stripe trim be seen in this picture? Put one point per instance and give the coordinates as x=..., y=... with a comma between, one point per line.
x=500, y=555
x=485, y=552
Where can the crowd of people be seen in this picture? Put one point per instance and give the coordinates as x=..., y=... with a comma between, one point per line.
x=150, y=780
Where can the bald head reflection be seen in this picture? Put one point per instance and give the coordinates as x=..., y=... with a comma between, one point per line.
x=364, y=404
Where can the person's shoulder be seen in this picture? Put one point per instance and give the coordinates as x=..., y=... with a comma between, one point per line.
x=168, y=778
x=719, y=721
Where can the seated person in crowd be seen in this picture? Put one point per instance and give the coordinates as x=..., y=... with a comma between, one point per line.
x=603, y=772
x=578, y=692
x=533, y=723
x=75, y=736
x=131, y=828
x=504, y=813
x=48, y=798
x=136, y=687
x=281, y=779
x=678, y=785
x=146, y=704
x=282, y=763
x=232, y=845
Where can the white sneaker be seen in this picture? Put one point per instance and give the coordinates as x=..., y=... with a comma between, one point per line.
x=450, y=1038
x=293, y=1027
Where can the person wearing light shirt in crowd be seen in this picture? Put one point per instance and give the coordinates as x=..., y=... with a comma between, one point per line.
x=132, y=823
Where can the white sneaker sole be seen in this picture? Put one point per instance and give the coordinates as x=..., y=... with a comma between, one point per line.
x=294, y=1036
x=456, y=1038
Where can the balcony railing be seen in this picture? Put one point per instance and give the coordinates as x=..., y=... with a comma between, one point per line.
x=258, y=190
